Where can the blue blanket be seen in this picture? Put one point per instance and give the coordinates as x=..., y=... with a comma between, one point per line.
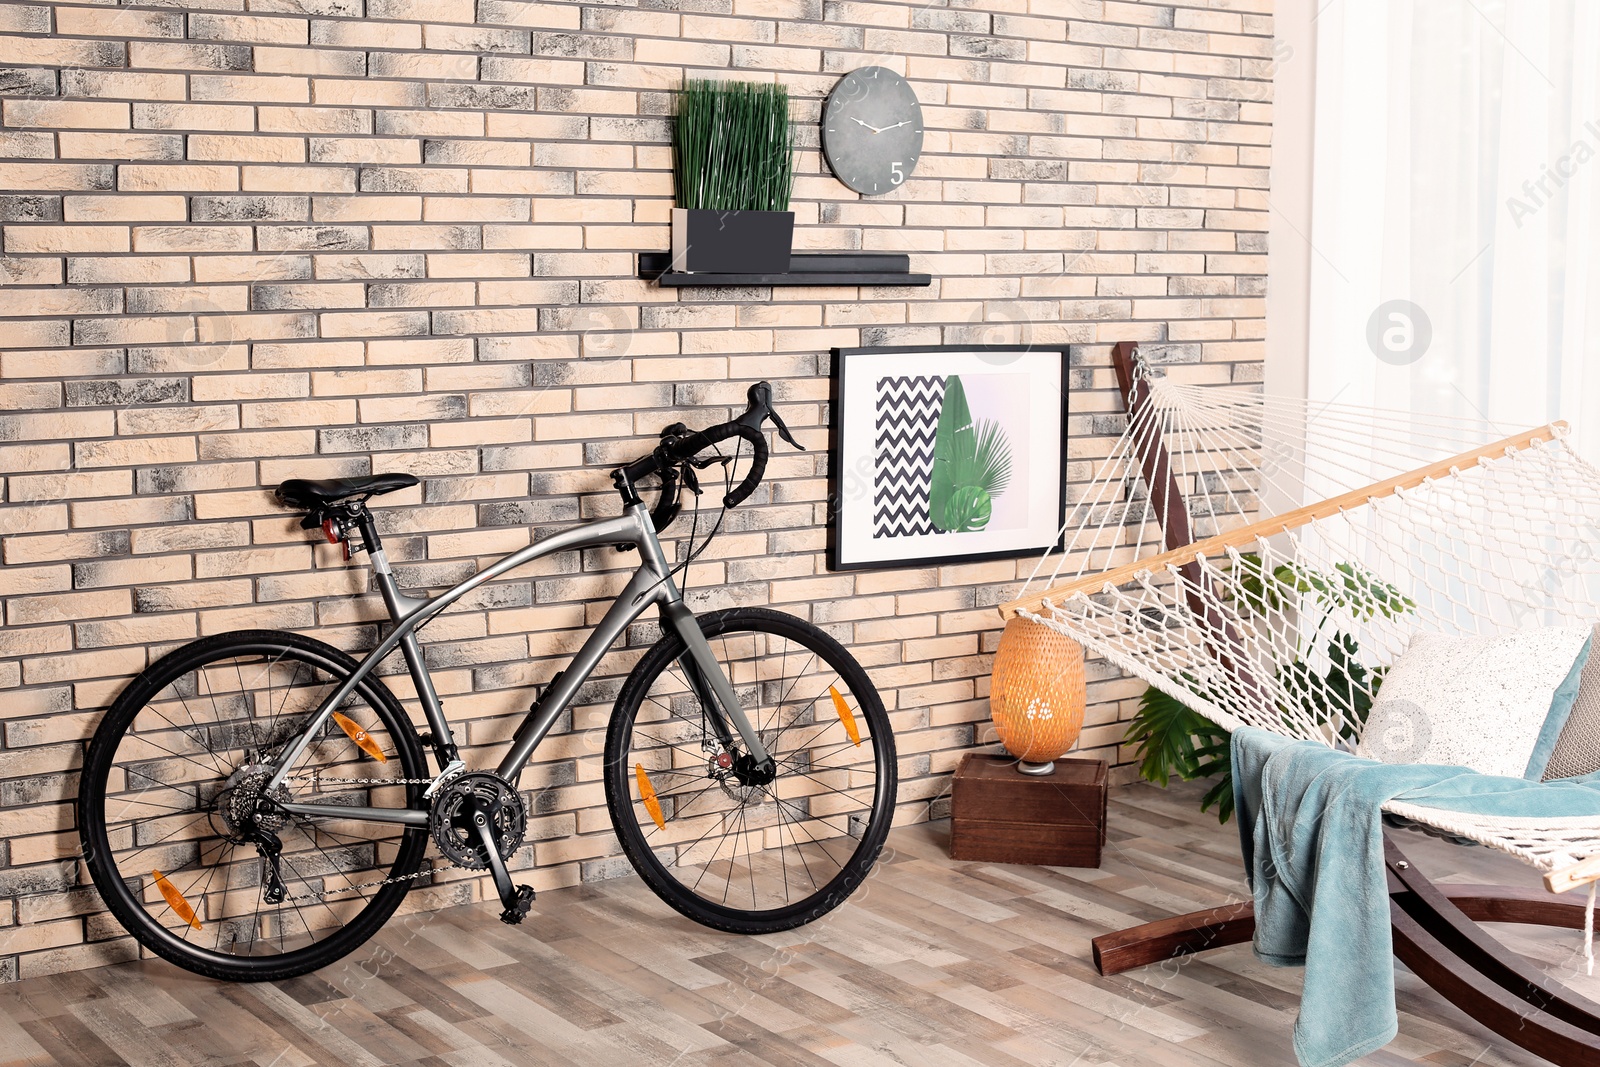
x=1311, y=828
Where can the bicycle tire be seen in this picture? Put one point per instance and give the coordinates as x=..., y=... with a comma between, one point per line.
x=622, y=778
x=102, y=759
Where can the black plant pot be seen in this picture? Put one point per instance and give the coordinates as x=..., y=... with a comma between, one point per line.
x=731, y=242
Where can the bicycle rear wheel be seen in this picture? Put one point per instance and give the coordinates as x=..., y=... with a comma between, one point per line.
x=173, y=807
x=725, y=844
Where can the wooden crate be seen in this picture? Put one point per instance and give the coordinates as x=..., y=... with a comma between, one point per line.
x=1000, y=815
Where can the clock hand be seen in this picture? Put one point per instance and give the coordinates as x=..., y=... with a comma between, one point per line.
x=858, y=122
x=896, y=126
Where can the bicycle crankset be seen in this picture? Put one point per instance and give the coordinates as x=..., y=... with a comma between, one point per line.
x=454, y=824
x=479, y=821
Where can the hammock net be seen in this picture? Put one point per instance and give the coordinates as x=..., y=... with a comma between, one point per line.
x=1263, y=560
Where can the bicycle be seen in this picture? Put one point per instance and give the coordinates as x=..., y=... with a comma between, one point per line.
x=256, y=804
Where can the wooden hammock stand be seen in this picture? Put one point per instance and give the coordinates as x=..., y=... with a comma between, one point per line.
x=1436, y=931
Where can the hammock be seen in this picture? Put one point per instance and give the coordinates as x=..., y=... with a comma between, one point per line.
x=1262, y=559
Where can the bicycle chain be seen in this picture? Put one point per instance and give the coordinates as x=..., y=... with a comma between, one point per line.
x=317, y=781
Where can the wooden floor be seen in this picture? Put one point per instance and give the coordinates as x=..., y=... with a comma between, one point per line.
x=933, y=962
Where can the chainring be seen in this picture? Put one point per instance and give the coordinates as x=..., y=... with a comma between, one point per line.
x=451, y=820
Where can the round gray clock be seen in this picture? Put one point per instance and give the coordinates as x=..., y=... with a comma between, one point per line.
x=872, y=130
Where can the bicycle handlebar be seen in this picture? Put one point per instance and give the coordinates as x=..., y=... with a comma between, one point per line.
x=674, y=458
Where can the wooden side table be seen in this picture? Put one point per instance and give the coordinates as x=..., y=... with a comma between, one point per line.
x=1000, y=815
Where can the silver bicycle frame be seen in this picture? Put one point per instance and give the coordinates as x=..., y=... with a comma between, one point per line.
x=651, y=584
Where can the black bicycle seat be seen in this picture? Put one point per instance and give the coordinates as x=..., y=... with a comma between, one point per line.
x=310, y=493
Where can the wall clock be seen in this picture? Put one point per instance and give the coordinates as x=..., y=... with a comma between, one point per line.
x=872, y=130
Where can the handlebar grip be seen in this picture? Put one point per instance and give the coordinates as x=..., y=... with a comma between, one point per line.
x=666, y=509
x=758, y=467
x=695, y=443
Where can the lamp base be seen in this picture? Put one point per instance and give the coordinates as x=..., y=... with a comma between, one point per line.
x=1038, y=769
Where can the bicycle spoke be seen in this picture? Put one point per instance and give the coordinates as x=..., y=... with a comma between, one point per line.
x=822, y=844
x=192, y=722
x=179, y=755
x=798, y=850
x=831, y=749
x=722, y=821
x=166, y=837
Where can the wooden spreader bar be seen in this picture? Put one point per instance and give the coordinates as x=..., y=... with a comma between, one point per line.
x=1289, y=520
x=1578, y=874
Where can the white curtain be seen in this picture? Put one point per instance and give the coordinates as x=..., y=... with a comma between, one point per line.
x=1456, y=210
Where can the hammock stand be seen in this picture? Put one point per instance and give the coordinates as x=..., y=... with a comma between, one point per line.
x=1435, y=928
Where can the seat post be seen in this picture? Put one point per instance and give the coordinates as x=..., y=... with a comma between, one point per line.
x=368, y=527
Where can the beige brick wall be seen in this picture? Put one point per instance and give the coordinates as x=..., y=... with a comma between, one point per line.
x=329, y=237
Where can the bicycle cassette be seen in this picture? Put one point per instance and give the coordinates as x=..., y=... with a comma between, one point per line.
x=452, y=824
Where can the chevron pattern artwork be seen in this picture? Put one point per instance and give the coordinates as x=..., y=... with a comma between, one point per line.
x=906, y=419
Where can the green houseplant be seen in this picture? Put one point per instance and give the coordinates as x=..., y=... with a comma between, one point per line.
x=733, y=168
x=1171, y=740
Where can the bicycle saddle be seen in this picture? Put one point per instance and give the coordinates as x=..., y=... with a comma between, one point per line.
x=311, y=493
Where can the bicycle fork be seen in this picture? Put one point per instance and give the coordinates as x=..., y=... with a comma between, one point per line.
x=713, y=689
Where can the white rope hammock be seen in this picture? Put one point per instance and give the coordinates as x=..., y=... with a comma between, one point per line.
x=1314, y=541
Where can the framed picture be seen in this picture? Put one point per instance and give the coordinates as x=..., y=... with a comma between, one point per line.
x=946, y=453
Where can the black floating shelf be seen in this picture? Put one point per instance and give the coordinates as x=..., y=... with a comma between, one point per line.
x=805, y=268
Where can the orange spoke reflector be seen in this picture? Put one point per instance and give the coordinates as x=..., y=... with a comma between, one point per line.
x=846, y=716
x=360, y=737
x=175, y=901
x=647, y=794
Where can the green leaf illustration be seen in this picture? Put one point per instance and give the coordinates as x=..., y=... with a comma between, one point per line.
x=971, y=465
x=969, y=508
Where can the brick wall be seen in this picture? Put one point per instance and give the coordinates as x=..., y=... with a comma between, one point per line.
x=332, y=237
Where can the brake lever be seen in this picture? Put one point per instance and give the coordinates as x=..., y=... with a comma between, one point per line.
x=691, y=480
x=760, y=397
x=783, y=431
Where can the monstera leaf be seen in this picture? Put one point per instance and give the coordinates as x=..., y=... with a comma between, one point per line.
x=969, y=508
x=971, y=465
x=1170, y=739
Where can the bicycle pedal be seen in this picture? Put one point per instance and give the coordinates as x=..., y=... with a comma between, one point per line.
x=519, y=907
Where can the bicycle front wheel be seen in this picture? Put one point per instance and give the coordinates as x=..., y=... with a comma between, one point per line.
x=175, y=807
x=725, y=843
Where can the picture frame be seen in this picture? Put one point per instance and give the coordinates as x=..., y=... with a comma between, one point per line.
x=923, y=472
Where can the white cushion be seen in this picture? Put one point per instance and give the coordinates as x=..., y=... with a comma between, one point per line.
x=1477, y=702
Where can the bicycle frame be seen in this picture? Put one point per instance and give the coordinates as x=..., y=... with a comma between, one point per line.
x=651, y=584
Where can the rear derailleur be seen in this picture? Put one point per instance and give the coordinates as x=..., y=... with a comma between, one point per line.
x=270, y=847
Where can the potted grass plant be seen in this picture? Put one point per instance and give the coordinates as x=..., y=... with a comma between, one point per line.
x=733, y=163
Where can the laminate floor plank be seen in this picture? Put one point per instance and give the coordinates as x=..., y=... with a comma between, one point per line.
x=71, y=1044
x=306, y=1028
x=932, y=962
x=17, y=1046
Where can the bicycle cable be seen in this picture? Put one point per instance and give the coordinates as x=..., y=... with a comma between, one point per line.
x=682, y=569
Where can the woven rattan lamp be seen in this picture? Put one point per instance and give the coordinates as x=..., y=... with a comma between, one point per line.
x=1037, y=694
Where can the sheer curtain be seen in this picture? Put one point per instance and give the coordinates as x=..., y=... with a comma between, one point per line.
x=1456, y=210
